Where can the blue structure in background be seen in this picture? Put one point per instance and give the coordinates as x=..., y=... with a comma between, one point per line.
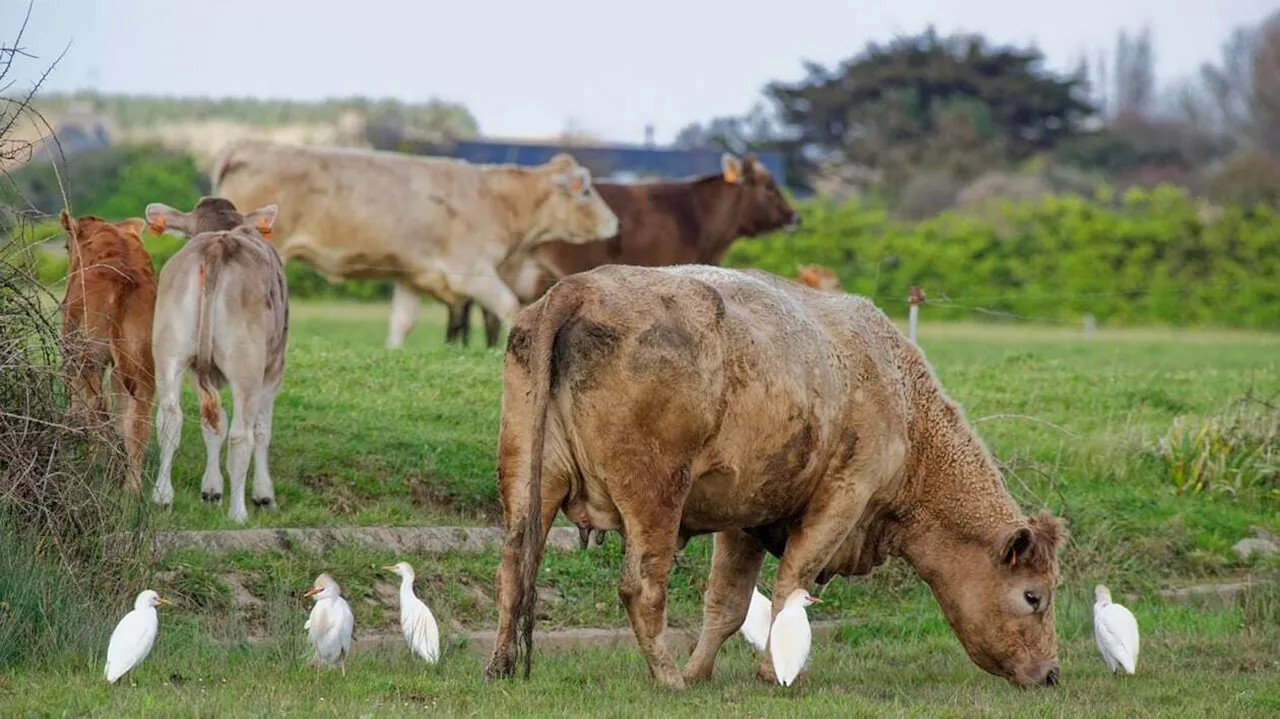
x=614, y=162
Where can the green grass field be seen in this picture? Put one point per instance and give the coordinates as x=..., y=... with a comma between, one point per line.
x=364, y=436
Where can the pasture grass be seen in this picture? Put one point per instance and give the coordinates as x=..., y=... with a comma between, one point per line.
x=364, y=436
x=1195, y=661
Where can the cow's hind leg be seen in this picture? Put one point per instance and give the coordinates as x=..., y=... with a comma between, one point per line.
x=134, y=419
x=502, y=663
x=735, y=564
x=459, y=327
x=169, y=373
x=652, y=527
x=264, y=491
x=245, y=395
x=405, y=304
x=211, y=483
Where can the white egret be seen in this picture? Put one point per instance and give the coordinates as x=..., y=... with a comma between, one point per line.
x=1115, y=629
x=416, y=621
x=134, y=635
x=790, y=636
x=755, y=628
x=330, y=624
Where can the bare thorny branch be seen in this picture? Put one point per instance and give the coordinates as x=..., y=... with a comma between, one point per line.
x=60, y=475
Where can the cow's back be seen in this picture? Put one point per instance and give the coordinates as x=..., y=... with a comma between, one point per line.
x=343, y=209
x=769, y=378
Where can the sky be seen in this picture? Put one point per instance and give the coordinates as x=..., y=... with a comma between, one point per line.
x=531, y=68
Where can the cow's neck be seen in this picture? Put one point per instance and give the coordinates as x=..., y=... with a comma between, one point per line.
x=952, y=490
x=719, y=206
x=517, y=193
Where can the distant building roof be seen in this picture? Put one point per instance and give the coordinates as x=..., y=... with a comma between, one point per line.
x=624, y=162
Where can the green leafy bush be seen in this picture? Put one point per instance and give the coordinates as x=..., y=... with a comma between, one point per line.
x=1148, y=258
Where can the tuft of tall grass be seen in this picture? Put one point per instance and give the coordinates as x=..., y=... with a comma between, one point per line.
x=1237, y=450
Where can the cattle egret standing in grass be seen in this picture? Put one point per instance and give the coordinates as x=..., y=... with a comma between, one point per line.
x=790, y=637
x=416, y=621
x=755, y=628
x=330, y=625
x=1116, y=631
x=133, y=636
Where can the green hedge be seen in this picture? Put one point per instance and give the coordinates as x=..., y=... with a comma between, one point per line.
x=1147, y=258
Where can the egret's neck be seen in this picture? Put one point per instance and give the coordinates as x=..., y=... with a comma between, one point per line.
x=406, y=588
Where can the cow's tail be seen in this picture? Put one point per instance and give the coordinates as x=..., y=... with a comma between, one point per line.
x=222, y=164
x=210, y=268
x=559, y=304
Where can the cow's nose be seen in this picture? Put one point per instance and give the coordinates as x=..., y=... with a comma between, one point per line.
x=1051, y=678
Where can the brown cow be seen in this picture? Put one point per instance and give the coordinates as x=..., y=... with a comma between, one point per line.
x=106, y=322
x=223, y=315
x=672, y=402
x=818, y=277
x=659, y=223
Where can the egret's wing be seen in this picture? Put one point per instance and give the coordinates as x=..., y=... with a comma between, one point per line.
x=755, y=628
x=1113, y=633
x=421, y=631
x=789, y=645
x=343, y=625
x=1123, y=626
x=130, y=642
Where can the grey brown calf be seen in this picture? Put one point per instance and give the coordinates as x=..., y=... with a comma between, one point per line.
x=222, y=313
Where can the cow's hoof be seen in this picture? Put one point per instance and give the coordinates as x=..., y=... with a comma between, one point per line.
x=211, y=497
x=672, y=681
x=767, y=675
x=503, y=667
x=264, y=502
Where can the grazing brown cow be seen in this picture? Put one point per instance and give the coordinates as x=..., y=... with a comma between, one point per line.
x=223, y=315
x=435, y=226
x=659, y=223
x=672, y=402
x=106, y=322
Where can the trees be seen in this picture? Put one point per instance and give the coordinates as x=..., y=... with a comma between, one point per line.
x=955, y=104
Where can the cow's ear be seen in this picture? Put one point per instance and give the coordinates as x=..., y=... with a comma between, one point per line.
x=134, y=225
x=562, y=162
x=1016, y=546
x=162, y=218
x=263, y=219
x=68, y=223
x=575, y=180
x=731, y=168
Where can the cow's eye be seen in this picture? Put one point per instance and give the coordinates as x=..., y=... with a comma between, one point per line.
x=1033, y=598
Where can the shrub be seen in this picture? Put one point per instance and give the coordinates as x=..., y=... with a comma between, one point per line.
x=1146, y=258
x=60, y=495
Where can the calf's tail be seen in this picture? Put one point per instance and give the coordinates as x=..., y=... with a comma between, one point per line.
x=210, y=268
x=558, y=306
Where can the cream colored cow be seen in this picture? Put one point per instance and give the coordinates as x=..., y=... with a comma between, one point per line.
x=436, y=226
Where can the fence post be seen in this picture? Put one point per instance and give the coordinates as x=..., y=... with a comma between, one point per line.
x=1090, y=325
x=914, y=299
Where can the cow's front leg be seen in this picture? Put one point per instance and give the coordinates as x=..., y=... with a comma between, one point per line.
x=735, y=564
x=821, y=532
x=405, y=304
x=483, y=284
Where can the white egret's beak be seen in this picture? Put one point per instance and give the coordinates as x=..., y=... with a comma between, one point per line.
x=162, y=600
x=312, y=592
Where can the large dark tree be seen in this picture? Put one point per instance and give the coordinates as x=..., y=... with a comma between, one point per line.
x=955, y=104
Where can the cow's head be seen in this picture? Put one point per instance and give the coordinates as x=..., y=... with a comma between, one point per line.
x=91, y=238
x=762, y=207
x=999, y=598
x=211, y=214
x=570, y=209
